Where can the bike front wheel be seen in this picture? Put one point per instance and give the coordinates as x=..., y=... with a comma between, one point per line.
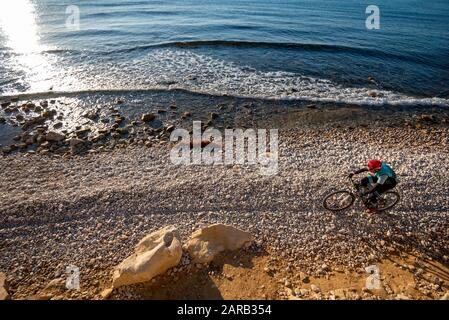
x=338, y=200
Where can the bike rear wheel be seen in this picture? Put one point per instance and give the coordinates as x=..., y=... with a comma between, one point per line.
x=338, y=200
x=387, y=200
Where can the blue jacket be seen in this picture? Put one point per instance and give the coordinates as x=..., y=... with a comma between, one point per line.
x=384, y=173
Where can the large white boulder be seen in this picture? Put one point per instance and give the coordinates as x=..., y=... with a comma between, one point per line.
x=154, y=254
x=445, y=296
x=207, y=242
x=4, y=295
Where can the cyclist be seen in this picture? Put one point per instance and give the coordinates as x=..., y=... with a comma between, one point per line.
x=381, y=178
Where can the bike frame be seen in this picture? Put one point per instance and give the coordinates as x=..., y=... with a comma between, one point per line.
x=357, y=186
x=354, y=184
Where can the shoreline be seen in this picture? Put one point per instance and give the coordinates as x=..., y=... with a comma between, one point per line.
x=90, y=209
x=71, y=126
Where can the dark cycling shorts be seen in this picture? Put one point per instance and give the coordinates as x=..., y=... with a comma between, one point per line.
x=389, y=184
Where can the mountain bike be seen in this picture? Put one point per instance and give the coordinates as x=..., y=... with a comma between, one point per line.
x=343, y=199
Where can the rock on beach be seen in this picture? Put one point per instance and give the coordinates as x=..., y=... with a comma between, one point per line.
x=207, y=242
x=154, y=254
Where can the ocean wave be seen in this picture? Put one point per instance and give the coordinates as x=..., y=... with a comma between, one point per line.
x=126, y=12
x=231, y=44
x=194, y=44
x=226, y=43
x=168, y=69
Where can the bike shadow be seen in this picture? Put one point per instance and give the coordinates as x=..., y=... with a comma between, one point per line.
x=400, y=227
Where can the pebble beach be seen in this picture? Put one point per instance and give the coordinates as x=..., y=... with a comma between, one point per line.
x=95, y=96
x=89, y=209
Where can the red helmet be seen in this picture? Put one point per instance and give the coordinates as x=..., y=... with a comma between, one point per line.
x=374, y=165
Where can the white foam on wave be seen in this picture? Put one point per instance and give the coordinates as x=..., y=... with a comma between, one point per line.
x=188, y=70
x=184, y=69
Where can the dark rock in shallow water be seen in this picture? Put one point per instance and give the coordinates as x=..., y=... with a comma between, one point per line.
x=33, y=122
x=28, y=106
x=122, y=130
x=148, y=117
x=57, y=125
x=54, y=136
x=11, y=109
x=157, y=125
x=49, y=113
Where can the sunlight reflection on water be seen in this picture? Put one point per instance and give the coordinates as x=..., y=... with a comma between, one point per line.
x=20, y=32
